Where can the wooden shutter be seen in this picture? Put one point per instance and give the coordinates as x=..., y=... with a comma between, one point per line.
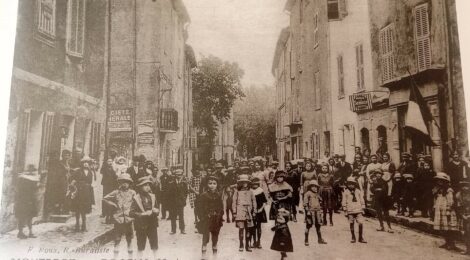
x=75, y=27
x=360, y=66
x=24, y=121
x=343, y=9
x=46, y=140
x=317, y=91
x=386, y=42
x=340, y=76
x=422, y=35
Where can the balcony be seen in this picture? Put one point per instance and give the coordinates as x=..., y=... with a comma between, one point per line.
x=168, y=120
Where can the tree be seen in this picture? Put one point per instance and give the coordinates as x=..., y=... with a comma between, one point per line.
x=216, y=87
x=255, y=122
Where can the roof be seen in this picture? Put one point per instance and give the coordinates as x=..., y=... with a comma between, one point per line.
x=181, y=10
x=281, y=42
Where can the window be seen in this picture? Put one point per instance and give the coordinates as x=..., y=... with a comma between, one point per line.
x=422, y=36
x=315, y=30
x=336, y=9
x=365, y=138
x=340, y=76
x=386, y=42
x=317, y=91
x=316, y=145
x=333, y=9
x=360, y=66
x=326, y=136
x=46, y=17
x=75, y=27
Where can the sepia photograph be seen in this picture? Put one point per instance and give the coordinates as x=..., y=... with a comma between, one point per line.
x=234, y=130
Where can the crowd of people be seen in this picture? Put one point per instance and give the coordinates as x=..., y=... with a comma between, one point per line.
x=251, y=192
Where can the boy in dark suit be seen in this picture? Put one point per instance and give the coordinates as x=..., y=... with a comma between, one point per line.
x=178, y=190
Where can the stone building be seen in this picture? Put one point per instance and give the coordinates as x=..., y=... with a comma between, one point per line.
x=416, y=42
x=350, y=64
x=57, y=93
x=150, y=81
x=305, y=89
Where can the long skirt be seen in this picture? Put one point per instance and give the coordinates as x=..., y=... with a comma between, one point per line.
x=282, y=240
x=442, y=221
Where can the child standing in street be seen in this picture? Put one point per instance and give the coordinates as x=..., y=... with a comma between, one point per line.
x=463, y=207
x=261, y=217
x=210, y=210
x=313, y=210
x=282, y=240
x=121, y=200
x=326, y=182
x=409, y=194
x=244, y=206
x=379, y=189
x=397, y=192
x=194, y=184
x=145, y=213
x=353, y=206
x=445, y=218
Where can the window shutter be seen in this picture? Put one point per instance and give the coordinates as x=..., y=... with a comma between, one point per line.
x=386, y=52
x=47, y=125
x=340, y=76
x=343, y=11
x=422, y=35
x=75, y=27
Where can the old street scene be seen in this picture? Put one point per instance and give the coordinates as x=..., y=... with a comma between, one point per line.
x=221, y=129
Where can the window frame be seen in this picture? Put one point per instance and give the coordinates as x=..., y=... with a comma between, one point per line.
x=387, y=52
x=422, y=37
x=40, y=25
x=315, y=31
x=317, y=90
x=340, y=64
x=360, y=75
x=76, y=52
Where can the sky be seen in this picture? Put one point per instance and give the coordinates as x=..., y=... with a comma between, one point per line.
x=242, y=31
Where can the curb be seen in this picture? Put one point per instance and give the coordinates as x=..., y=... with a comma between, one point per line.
x=415, y=225
x=98, y=241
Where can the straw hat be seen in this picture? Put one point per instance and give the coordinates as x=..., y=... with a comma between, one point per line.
x=243, y=178
x=312, y=183
x=85, y=159
x=124, y=177
x=255, y=180
x=143, y=181
x=408, y=176
x=442, y=176
x=351, y=180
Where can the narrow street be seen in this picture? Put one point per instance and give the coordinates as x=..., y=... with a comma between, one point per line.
x=403, y=244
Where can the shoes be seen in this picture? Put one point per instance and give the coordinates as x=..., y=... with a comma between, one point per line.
x=183, y=232
x=331, y=224
x=248, y=249
x=240, y=249
x=21, y=236
x=445, y=246
x=172, y=232
x=353, y=240
x=381, y=229
x=321, y=241
x=361, y=240
x=32, y=236
x=453, y=248
x=214, y=250
x=306, y=243
x=390, y=231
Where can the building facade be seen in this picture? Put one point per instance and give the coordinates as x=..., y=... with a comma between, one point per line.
x=150, y=81
x=350, y=65
x=415, y=43
x=57, y=95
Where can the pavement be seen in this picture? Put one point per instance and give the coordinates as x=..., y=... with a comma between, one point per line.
x=60, y=241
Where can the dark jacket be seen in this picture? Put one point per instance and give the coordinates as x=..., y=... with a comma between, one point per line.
x=380, y=190
x=210, y=210
x=178, y=192
x=25, y=201
x=85, y=196
x=136, y=175
x=143, y=222
x=109, y=179
x=343, y=171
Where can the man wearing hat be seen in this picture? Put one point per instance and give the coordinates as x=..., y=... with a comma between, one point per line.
x=25, y=200
x=407, y=166
x=164, y=181
x=82, y=202
x=409, y=194
x=136, y=170
x=145, y=213
x=120, y=201
x=178, y=191
x=343, y=171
